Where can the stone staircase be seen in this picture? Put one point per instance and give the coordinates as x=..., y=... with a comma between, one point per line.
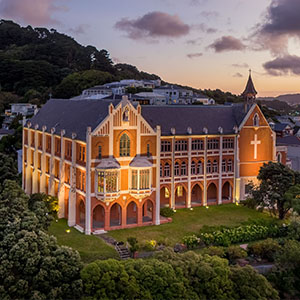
x=119, y=246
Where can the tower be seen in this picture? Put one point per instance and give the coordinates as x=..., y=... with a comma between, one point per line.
x=249, y=93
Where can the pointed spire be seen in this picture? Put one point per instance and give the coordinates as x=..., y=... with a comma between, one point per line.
x=250, y=89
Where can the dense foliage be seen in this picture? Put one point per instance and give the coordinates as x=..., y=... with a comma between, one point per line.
x=33, y=266
x=166, y=212
x=8, y=168
x=174, y=276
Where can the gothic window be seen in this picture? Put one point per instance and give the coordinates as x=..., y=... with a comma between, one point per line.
x=148, y=150
x=126, y=115
x=197, y=145
x=165, y=146
x=212, y=144
x=193, y=168
x=176, y=169
x=215, y=167
x=167, y=170
x=208, y=167
x=179, y=191
x=181, y=145
x=134, y=179
x=183, y=168
x=256, y=120
x=100, y=182
x=223, y=165
x=229, y=165
x=161, y=170
x=199, y=167
x=167, y=193
x=279, y=157
x=228, y=143
x=124, y=145
x=99, y=152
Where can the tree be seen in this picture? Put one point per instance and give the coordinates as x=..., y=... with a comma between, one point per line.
x=8, y=168
x=292, y=197
x=33, y=265
x=275, y=181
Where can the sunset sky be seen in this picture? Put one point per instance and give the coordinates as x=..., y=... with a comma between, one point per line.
x=200, y=43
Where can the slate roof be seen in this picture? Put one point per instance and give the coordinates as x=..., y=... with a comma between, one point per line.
x=280, y=126
x=195, y=116
x=288, y=141
x=250, y=89
x=72, y=116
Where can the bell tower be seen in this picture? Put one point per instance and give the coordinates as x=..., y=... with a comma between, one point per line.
x=249, y=93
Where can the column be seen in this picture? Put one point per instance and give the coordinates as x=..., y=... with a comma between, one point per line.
x=43, y=162
x=204, y=173
x=189, y=202
x=61, y=185
x=28, y=187
x=23, y=159
x=107, y=217
x=72, y=193
x=157, y=188
x=35, y=172
x=87, y=181
x=140, y=213
x=51, y=171
x=220, y=171
x=237, y=180
x=172, y=174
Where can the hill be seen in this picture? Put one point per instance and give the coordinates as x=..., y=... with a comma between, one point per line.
x=291, y=99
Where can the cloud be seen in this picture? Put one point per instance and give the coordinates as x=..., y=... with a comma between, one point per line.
x=194, y=55
x=80, y=29
x=227, y=43
x=243, y=65
x=280, y=23
x=203, y=28
x=153, y=25
x=194, y=42
x=209, y=14
x=34, y=12
x=239, y=75
x=289, y=64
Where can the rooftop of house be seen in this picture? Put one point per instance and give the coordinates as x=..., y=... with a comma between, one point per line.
x=278, y=127
x=288, y=141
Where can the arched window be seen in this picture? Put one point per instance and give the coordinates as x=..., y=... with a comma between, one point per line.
x=256, y=120
x=176, y=169
x=193, y=168
x=208, y=167
x=124, y=145
x=223, y=165
x=229, y=165
x=183, y=168
x=215, y=167
x=167, y=170
x=199, y=167
x=279, y=157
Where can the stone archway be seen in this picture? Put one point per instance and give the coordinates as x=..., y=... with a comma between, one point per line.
x=212, y=194
x=131, y=213
x=165, y=197
x=98, y=217
x=180, y=196
x=148, y=211
x=196, y=196
x=115, y=215
x=226, y=192
x=81, y=214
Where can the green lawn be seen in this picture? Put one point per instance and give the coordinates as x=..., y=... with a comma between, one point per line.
x=187, y=222
x=89, y=247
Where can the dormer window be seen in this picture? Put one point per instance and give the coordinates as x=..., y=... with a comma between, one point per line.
x=256, y=120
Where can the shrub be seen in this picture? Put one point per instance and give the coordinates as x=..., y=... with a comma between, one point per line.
x=250, y=203
x=149, y=245
x=266, y=249
x=235, y=252
x=166, y=212
x=191, y=241
x=134, y=246
x=213, y=250
x=293, y=231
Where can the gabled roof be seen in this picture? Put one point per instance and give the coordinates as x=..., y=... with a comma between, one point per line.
x=288, y=141
x=250, y=89
x=280, y=127
x=196, y=117
x=72, y=116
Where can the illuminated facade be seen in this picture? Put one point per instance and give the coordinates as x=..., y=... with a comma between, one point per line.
x=114, y=165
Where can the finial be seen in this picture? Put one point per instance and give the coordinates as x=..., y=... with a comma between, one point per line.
x=249, y=72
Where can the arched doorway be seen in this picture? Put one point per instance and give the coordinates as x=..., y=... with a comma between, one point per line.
x=212, y=193
x=81, y=212
x=98, y=217
x=148, y=211
x=196, y=196
x=132, y=214
x=115, y=215
x=226, y=192
x=180, y=196
x=164, y=197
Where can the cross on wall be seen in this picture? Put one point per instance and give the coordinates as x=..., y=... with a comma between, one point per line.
x=255, y=143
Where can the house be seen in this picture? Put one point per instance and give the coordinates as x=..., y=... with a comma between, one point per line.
x=175, y=94
x=292, y=144
x=6, y=132
x=113, y=164
x=282, y=129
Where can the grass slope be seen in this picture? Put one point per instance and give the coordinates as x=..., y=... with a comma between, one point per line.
x=89, y=247
x=187, y=222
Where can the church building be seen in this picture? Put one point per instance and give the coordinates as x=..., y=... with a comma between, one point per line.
x=113, y=164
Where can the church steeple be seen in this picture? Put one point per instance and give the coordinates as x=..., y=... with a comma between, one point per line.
x=249, y=93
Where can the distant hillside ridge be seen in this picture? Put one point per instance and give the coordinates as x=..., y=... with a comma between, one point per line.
x=291, y=99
